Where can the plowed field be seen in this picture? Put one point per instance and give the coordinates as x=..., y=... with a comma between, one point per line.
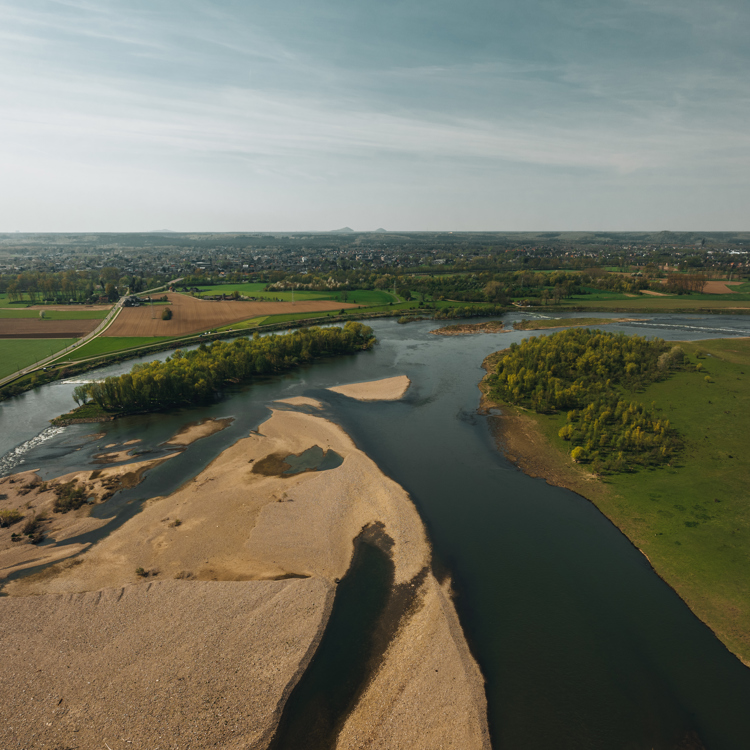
x=720, y=287
x=36, y=328
x=191, y=315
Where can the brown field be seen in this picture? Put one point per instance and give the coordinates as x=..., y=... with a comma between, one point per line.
x=193, y=315
x=720, y=287
x=36, y=328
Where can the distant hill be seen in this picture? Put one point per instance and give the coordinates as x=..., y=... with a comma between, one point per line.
x=380, y=231
x=343, y=230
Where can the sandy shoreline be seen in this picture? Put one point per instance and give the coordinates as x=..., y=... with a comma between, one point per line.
x=252, y=534
x=387, y=389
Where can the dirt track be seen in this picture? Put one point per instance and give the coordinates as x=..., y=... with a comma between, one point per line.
x=36, y=328
x=192, y=316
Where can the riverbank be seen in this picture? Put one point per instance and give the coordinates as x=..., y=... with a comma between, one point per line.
x=264, y=537
x=691, y=519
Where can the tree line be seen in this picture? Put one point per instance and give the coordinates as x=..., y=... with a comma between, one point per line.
x=199, y=375
x=586, y=373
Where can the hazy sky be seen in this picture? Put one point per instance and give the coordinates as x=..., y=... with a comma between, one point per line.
x=130, y=115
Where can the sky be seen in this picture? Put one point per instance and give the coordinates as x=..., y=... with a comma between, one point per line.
x=291, y=115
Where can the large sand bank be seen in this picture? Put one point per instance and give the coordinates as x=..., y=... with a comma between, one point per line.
x=256, y=529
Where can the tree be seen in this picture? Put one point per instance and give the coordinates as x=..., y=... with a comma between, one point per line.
x=166, y=313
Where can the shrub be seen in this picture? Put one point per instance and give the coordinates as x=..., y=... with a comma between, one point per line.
x=578, y=454
x=166, y=313
x=69, y=497
x=141, y=572
x=9, y=517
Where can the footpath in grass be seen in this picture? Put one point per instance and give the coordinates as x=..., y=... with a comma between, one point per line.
x=107, y=345
x=692, y=519
x=15, y=354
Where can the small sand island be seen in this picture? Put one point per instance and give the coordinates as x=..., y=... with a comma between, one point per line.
x=464, y=329
x=191, y=624
x=387, y=389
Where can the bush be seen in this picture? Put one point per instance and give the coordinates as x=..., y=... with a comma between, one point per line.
x=166, y=313
x=69, y=497
x=9, y=517
x=578, y=454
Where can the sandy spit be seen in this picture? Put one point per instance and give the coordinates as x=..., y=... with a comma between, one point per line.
x=231, y=524
x=387, y=389
x=197, y=430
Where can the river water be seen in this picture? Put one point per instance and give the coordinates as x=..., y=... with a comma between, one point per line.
x=581, y=644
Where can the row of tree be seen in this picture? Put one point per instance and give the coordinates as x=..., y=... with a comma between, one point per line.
x=201, y=374
x=586, y=372
x=71, y=286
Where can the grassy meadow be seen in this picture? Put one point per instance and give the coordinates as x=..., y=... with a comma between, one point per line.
x=107, y=345
x=367, y=297
x=15, y=354
x=9, y=313
x=692, y=519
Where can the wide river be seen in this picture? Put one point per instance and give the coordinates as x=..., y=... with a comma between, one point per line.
x=581, y=643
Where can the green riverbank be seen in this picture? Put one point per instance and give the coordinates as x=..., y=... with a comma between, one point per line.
x=691, y=519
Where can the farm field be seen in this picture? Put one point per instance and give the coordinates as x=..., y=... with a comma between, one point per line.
x=16, y=354
x=106, y=345
x=193, y=316
x=53, y=313
x=36, y=328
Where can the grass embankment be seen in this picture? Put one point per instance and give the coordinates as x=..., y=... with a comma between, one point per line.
x=691, y=519
x=15, y=354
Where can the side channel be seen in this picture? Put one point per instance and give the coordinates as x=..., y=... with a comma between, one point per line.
x=349, y=651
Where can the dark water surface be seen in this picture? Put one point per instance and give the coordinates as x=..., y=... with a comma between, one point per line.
x=581, y=644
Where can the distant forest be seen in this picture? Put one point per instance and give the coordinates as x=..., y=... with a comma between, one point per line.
x=586, y=373
x=199, y=375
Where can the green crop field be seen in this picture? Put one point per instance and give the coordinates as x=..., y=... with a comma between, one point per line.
x=692, y=519
x=53, y=314
x=107, y=345
x=15, y=354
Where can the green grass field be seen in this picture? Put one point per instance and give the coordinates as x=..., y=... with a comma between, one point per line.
x=358, y=296
x=107, y=345
x=693, y=519
x=53, y=314
x=15, y=354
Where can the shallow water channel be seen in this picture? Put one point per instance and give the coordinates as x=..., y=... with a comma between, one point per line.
x=581, y=644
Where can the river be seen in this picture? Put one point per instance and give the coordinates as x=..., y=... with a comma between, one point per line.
x=581, y=643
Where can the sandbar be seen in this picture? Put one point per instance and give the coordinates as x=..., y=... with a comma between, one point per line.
x=188, y=560
x=197, y=430
x=387, y=389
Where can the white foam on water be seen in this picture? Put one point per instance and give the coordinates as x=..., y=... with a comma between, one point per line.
x=14, y=458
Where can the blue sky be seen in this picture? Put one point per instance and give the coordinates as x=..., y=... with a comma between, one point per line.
x=131, y=115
